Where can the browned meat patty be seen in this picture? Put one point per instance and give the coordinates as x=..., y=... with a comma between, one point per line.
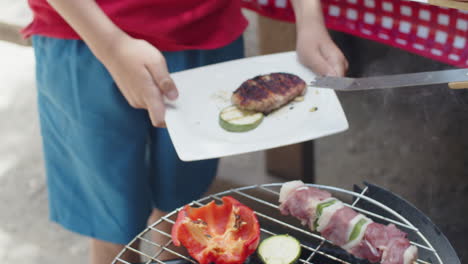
x=265, y=93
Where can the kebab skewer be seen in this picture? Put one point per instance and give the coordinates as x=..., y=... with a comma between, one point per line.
x=344, y=227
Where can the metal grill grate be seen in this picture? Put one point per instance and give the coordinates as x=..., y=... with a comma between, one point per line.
x=263, y=200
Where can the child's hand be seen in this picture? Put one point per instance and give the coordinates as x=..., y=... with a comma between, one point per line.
x=138, y=68
x=140, y=72
x=317, y=51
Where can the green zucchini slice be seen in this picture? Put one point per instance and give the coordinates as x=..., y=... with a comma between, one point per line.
x=234, y=119
x=279, y=249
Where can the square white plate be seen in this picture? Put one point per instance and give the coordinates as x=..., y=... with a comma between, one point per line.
x=192, y=120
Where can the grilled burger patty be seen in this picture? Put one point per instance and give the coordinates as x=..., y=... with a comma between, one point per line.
x=265, y=93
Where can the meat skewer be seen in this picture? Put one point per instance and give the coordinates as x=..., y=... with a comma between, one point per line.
x=344, y=227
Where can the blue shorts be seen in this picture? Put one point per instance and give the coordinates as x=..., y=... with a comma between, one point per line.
x=107, y=167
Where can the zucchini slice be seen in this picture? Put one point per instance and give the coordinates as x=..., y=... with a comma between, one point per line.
x=279, y=249
x=234, y=119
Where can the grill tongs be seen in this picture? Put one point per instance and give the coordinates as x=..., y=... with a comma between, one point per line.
x=455, y=79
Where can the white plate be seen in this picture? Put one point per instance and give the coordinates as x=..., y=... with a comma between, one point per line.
x=192, y=120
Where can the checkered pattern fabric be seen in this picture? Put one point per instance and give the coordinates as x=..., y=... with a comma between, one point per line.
x=435, y=32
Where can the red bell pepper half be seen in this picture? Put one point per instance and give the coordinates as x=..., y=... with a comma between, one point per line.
x=221, y=234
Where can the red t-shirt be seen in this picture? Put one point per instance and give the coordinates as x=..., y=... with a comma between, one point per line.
x=170, y=25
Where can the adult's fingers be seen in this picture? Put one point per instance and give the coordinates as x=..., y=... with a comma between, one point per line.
x=160, y=74
x=335, y=59
x=317, y=63
x=340, y=65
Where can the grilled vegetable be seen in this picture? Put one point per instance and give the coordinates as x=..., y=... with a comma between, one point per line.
x=221, y=234
x=357, y=229
x=279, y=249
x=320, y=208
x=233, y=119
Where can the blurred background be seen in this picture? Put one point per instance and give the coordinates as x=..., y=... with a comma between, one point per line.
x=410, y=141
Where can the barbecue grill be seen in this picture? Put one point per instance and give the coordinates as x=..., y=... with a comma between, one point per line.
x=379, y=204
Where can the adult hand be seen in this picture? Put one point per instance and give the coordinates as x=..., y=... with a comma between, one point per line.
x=317, y=51
x=141, y=74
x=315, y=48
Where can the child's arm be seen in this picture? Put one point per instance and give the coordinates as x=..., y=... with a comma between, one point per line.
x=138, y=68
x=315, y=48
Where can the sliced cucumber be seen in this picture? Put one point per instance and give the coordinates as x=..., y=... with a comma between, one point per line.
x=279, y=249
x=234, y=119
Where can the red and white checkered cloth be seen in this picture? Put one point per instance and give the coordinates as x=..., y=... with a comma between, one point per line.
x=435, y=32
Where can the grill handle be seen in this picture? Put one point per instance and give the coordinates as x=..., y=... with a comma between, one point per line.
x=458, y=85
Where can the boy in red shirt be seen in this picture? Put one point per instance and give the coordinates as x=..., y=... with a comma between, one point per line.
x=103, y=68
